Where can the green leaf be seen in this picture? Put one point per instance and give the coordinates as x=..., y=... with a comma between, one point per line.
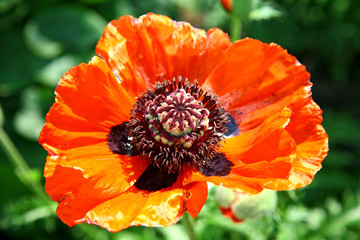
x=11, y=12
x=51, y=73
x=64, y=28
x=9, y=178
x=264, y=12
x=28, y=123
x=25, y=211
x=6, y=5
x=333, y=207
x=39, y=44
x=29, y=119
x=16, y=63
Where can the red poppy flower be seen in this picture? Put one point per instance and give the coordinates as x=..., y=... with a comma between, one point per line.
x=135, y=134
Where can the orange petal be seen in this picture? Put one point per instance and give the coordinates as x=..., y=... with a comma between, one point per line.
x=262, y=143
x=216, y=43
x=138, y=208
x=254, y=168
x=258, y=81
x=89, y=102
x=117, y=213
x=76, y=194
x=97, y=163
x=196, y=197
x=291, y=163
x=155, y=48
x=311, y=145
x=81, y=171
x=254, y=80
x=81, y=178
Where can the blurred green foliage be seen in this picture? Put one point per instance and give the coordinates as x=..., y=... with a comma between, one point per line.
x=41, y=39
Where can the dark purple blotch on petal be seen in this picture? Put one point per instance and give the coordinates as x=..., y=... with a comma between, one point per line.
x=155, y=179
x=218, y=166
x=119, y=142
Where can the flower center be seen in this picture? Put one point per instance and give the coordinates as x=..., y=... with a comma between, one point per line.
x=177, y=123
x=178, y=119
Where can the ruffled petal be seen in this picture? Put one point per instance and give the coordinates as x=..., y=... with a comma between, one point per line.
x=216, y=43
x=139, y=208
x=81, y=178
x=258, y=81
x=254, y=80
x=89, y=102
x=311, y=145
x=98, y=164
x=282, y=153
x=81, y=171
x=259, y=156
x=155, y=48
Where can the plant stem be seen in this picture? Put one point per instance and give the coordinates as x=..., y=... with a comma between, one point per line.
x=236, y=28
x=188, y=223
x=22, y=169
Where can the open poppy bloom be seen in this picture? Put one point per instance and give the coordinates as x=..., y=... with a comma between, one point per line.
x=135, y=134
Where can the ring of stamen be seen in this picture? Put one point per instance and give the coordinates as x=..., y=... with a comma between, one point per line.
x=177, y=123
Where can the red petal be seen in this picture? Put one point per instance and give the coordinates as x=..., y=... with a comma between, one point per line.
x=89, y=102
x=253, y=169
x=82, y=178
x=196, y=198
x=155, y=48
x=216, y=43
x=255, y=80
x=311, y=144
x=81, y=170
x=258, y=80
x=138, y=208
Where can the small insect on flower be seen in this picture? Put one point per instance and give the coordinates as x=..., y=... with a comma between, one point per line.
x=135, y=134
